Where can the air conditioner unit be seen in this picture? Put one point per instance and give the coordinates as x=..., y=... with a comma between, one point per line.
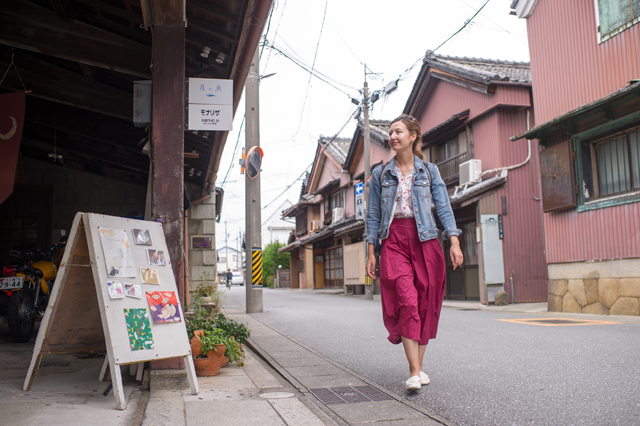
x=315, y=225
x=470, y=172
x=338, y=214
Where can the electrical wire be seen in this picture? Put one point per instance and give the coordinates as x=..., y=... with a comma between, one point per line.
x=234, y=153
x=313, y=65
x=467, y=22
x=275, y=34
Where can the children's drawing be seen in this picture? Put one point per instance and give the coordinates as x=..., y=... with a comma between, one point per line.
x=164, y=306
x=132, y=290
x=117, y=252
x=149, y=276
x=139, y=329
x=115, y=289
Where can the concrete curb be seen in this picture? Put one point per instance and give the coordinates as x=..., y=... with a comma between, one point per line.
x=282, y=371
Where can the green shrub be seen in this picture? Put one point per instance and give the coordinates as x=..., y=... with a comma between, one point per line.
x=270, y=280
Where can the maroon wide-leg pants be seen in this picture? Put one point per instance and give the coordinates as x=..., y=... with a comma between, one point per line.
x=412, y=282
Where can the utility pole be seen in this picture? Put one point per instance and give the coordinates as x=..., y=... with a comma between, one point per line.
x=226, y=248
x=368, y=289
x=253, y=220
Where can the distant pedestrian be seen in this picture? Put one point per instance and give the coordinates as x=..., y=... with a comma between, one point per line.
x=412, y=267
x=229, y=278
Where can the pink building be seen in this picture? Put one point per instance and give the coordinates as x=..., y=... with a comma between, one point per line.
x=468, y=108
x=327, y=248
x=584, y=62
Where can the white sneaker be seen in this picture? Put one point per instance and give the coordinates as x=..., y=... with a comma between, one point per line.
x=413, y=383
x=424, y=379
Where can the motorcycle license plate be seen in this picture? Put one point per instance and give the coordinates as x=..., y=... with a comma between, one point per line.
x=11, y=283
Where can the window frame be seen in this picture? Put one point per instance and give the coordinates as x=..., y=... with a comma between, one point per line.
x=593, y=136
x=620, y=29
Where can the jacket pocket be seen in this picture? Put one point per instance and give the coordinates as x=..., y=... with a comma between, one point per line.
x=421, y=187
x=388, y=189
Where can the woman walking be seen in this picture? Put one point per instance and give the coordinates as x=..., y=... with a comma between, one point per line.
x=412, y=267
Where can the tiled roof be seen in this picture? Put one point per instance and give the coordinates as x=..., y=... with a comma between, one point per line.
x=481, y=70
x=337, y=148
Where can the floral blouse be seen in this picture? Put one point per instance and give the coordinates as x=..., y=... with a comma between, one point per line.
x=403, y=204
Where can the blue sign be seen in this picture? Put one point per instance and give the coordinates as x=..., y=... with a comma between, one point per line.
x=359, y=188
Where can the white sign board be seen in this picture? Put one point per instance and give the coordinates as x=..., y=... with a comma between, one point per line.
x=492, y=249
x=210, y=117
x=95, y=302
x=210, y=104
x=359, y=201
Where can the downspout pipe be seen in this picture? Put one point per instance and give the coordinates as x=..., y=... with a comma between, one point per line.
x=516, y=165
x=258, y=19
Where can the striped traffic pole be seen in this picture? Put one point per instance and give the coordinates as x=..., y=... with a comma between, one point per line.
x=256, y=266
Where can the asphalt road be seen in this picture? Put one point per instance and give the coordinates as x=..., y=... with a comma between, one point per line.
x=483, y=371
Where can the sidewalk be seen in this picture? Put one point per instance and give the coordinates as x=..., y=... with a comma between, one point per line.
x=278, y=386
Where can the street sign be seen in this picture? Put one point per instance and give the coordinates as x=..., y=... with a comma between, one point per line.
x=359, y=201
x=210, y=104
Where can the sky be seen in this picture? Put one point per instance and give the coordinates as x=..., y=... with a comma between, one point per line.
x=337, y=38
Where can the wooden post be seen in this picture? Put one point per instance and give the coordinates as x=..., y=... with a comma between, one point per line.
x=168, y=147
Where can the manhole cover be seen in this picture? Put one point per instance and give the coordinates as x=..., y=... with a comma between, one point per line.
x=349, y=395
x=551, y=322
x=276, y=395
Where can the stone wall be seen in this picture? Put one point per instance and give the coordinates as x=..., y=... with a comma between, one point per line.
x=202, y=263
x=601, y=288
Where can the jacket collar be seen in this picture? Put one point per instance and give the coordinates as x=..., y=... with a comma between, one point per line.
x=418, y=165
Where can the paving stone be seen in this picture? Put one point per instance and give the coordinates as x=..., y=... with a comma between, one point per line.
x=258, y=374
x=625, y=306
x=226, y=382
x=630, y=287
x=165, y=408
x=319, y=370
x=595, y=308
x=330, y=381
x=236, y=413
x=591, y=290
x=558, y=287
x=576, y=288
x=554, y=303
x=569, y=304
x=375, y=412
x=295, y=412
x=609, y=291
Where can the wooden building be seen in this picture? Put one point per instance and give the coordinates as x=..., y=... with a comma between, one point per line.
x=73, y=64
x=327, y=248
x=587, y=100
x=468, y=108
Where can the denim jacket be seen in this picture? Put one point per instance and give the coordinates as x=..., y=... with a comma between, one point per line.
x=383, y=194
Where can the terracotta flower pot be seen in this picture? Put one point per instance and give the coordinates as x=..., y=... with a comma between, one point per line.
x=196, y=344
x=210, y=366
x=225, y=361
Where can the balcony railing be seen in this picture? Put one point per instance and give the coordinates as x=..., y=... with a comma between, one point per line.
x=449, y=167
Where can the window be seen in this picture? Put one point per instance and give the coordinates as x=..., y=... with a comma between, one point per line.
x=611, y=165
x=333, y=273
x=449, y=155
x=301, y=225
x=331, y=202
x=615, y=16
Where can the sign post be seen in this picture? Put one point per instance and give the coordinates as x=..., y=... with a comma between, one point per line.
x=115, y=290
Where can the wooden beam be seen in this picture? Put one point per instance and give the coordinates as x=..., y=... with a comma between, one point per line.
x=93, y=126
x=214, y=11
x=207, y=28
x=60, y=85
x=63, y=9
x=167, y=12
x=112, y=10
x=168, y=140
x=30, y=27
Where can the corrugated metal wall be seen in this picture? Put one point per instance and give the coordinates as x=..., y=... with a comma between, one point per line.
x=568, y=66
x=523, y=247
x=569, y=69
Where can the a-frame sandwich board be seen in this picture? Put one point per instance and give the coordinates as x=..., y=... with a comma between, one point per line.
x=81, y=315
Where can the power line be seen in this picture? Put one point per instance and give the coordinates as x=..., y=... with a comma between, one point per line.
x=275, y=34
x=467, y=22
x=313, y=73
x=313, y=64
x=234, y=153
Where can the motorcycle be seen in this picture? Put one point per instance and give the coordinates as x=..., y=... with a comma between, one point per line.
x=27, y=285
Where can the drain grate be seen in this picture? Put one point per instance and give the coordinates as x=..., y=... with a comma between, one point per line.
x=349, y=395
x=276, y=395
x=555, y=322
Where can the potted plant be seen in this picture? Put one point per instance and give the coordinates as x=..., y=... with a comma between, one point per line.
x=235, y=351
x=208, y=349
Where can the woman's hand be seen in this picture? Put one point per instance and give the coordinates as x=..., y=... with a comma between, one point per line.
x=456, y=254
x=371, y=262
